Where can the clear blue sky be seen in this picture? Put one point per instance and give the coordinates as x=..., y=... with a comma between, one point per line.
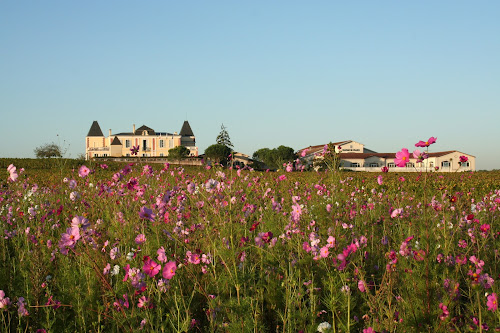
x=294, y=73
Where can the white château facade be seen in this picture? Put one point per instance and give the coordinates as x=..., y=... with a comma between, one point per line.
x=150, y=142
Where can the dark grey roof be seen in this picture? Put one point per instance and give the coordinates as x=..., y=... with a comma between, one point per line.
x=95, y=129
x=144, y=128
x=186, y=129
x=116, y=142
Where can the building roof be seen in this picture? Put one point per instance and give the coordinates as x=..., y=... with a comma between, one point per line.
x=144, y=128
x=95, y=129
x=116, y=142
x=186, y=129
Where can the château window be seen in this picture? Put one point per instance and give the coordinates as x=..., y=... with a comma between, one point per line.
x=355, y=165
x=391, y=165
x=127, y=143
x=162, y=143
x=373, y=165
x=445, y=164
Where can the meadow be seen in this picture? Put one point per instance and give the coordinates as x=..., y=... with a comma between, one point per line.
x=90, y=247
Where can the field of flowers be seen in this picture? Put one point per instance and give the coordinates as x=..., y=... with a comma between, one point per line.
x=119, y=248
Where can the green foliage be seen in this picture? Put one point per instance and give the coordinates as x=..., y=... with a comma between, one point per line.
x=223, y=137
x=48, y=150
x=178, y=153
x=262, y=268
x=275, y=158
x=218, y=153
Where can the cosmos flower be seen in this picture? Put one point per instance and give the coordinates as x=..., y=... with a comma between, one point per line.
x=134, y=150
x=402, y=157
x=492, y=302
x=151, y=267
x=83, y=171
x=169, y=270
x=427, y=143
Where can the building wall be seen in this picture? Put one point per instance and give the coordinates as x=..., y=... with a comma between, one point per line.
x=101, y=146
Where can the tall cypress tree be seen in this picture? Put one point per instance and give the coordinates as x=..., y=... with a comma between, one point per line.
x=223, y=138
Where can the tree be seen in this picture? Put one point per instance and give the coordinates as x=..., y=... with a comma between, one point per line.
x=275, y=158
x=218, y=153
x=178, y=153
x=223, y=137
x=48, y=150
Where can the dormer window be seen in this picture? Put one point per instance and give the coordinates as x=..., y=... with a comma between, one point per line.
x=144, y=132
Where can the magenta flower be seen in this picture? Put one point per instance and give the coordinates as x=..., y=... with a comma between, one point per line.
x=384, y=169
x=420, y=156
x=80, y=222
x=151, y=267
x=445, y=312
x=4, y=301
x=402, y=157
x=21, y=307
x=169, y=270
x=70, y=238
x=13, y=173
x=140, y=239
x=361, y=286
x=161, y=254
x=380, y=180
x=463, y=159
x=324, y=252
x=83, y=171
x=427, y=143
x=143, y=302
x=147, y=214
x=134, y=150
x=492, y=302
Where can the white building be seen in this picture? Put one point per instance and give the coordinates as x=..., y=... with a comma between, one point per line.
x=355, y=156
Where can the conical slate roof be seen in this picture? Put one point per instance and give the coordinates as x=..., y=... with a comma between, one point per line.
x=95, y=129
x=116, y=142
x=186, y=129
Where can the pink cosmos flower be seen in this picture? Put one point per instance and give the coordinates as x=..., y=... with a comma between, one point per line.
x=380, y=180
x=420, y=156
x=361, y=286
x=492, y=302
x=396, y=212
x=384, y=169
x=4, y=301
x=83, y=171
x=445, y=312
x=140, y=239
x=402, y=157
x=13, y=173
x=161, y=254
x=143, y=302
x=324, y=252
x=151, y=267
x=463, y=159
x=369, y=330
x=304, y=152
x=427, y=143
x=169, y=270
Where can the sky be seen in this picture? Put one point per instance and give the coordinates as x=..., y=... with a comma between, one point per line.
x=294, y=73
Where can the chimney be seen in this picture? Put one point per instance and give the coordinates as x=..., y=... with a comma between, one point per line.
x=110, y=132
x=133, y=128
x=109, y=137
